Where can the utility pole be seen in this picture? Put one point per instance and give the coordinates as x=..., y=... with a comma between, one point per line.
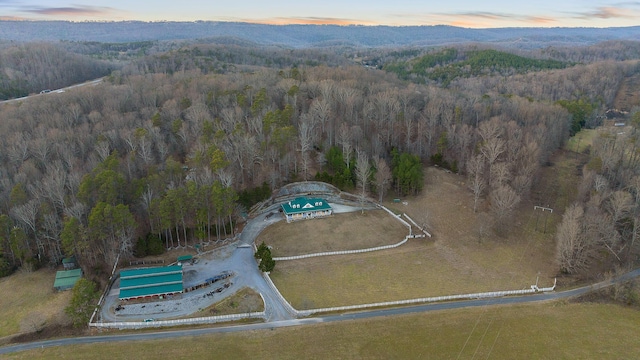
x=543, y=209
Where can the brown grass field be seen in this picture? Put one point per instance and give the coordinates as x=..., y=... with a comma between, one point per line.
x=29, y=302
x=464, y=256
x=348, y=231
x=554, y=330
x=244, y=300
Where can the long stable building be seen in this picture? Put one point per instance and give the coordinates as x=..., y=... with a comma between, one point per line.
x=148, y=282
x=306, y=208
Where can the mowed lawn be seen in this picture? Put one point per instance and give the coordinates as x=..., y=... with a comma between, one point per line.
x=28, y=301
x=464, y=256
x=551, y=330
x=348, y=231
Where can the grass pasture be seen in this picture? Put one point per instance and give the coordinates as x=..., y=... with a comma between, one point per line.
x=463, y=257
x=29, y=302
x=555, y=330
x=339, y=232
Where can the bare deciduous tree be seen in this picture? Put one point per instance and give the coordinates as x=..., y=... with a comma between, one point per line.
x=572, y=248
x=503, y=201
x=475, y=169
x=382, y=178
x=306, y=131
x=363, y=171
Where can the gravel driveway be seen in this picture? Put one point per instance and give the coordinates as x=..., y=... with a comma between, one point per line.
x=236, y=258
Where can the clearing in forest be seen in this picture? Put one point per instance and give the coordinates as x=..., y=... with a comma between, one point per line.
x=464, y=256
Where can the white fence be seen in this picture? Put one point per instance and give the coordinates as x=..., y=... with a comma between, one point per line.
x=284, y=301
x=414, y=223
x=344, y=252
x=176, y=322
x=359, y=251
x=485, y=295
x=396, y=216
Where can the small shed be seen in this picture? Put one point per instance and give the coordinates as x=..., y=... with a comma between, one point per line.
x=184, y=258
x=306, y=208
x=66, y=279
x=69, y=263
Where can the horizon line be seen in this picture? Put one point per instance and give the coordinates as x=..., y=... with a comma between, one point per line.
x=10, y=19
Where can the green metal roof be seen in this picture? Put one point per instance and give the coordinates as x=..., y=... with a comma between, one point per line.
x=303, y=204
x=185, y=257
x=66, y=279
x=150, y=281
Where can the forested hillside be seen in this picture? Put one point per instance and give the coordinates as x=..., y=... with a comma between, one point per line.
x=174, y=147
x=31, y=68
x=446, y=65
x=305, y=36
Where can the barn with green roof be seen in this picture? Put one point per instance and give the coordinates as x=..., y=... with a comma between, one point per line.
x=150, y=282
x=66, y=279
x=306, y=208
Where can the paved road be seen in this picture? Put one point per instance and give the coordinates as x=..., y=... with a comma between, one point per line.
x=323, y=319
x=57, y=91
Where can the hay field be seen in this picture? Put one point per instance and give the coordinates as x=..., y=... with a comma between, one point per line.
x=349, y=231
x=554, y=330
x=29, y=302
x=464, y=256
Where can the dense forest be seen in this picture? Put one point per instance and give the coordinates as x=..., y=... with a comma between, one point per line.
x=175, y=145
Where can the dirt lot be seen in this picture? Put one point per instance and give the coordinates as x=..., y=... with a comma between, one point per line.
x=347, y=231
x=464, y=256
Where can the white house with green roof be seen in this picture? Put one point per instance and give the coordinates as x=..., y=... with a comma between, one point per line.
x=306, y=208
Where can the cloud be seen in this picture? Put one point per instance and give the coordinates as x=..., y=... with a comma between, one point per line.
x=309, y=21
x=12, y=18
x=71, y=11
x=610, y=13
x=482, y=19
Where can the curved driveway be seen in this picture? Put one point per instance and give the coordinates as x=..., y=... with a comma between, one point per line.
x=236, y=258
x=330, y=318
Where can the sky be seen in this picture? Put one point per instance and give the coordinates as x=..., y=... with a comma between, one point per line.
x=463, y=13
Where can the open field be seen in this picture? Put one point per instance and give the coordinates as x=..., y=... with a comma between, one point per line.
x=555, y=330
x=581, y=141
x=463, y=257
x=29, y=302
x=349, y=231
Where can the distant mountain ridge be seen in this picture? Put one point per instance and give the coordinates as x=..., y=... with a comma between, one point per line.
x=301, y=36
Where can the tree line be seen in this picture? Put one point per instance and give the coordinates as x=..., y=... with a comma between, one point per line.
x=33, y=67
x=603, y=225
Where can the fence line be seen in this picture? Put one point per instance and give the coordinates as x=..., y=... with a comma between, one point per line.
x=395, y=216
x=358, y=251
x=284, y=301
x=299, y=313
x=494, y=294
x=414, y=223
x=344, y=252
x=176, y=322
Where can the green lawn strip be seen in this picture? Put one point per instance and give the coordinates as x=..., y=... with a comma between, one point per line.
x=555, y=330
